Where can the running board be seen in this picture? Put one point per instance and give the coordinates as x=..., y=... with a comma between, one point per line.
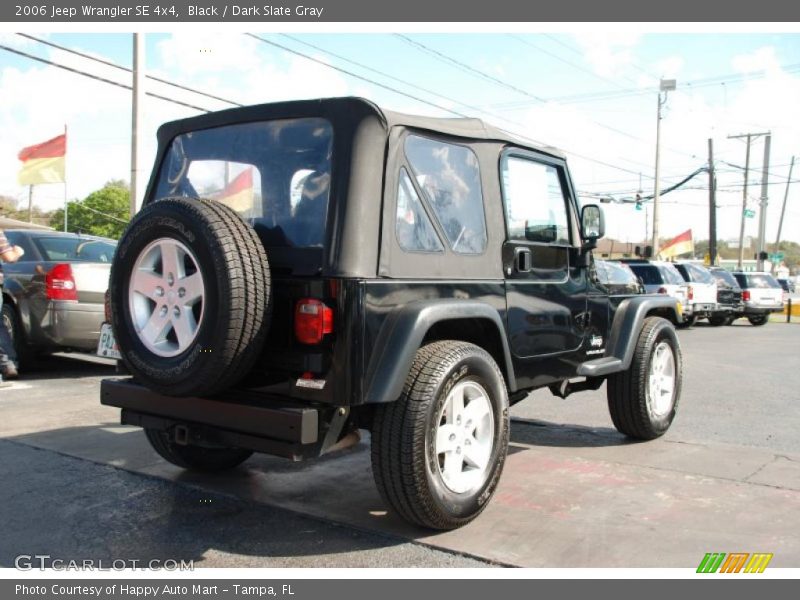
x=600, y=367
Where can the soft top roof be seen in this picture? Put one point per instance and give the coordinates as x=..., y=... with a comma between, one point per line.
x=351, y=109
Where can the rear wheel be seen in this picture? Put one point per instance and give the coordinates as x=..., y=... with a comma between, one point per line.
x=643, y=400
x=438, y=451
x=688, y=322
x=24, y=353
x=758, y=320
x=196, y=458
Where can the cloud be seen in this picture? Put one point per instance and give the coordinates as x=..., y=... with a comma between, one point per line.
x=609, y=53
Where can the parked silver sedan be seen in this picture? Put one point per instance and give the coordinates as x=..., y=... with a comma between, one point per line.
x=53, y=296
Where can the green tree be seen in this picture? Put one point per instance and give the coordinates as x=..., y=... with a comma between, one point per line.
x=104, y=212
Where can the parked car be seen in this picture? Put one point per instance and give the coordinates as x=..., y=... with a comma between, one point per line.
x=409, y=275
x=617, y=278
x=729, y=297
x=761, y=295
x=53, y=296
x=661, y=277
x=702, y=290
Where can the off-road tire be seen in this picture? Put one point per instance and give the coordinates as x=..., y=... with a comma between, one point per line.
x=195, y=458
x=758, y=320
x=627, y=390
x=237, y=301
x=403, y=437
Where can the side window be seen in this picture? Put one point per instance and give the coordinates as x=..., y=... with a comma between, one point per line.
x=413, y=228
x=449, y=176
x=536, y=208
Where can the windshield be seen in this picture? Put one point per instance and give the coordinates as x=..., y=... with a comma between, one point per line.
x=275, y=174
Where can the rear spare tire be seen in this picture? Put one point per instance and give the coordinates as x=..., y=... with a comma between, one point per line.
x=190, y=296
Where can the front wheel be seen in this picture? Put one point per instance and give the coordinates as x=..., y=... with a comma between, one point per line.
x=643, y=400
x=438, y=451
x=195, y=458
x=758, y=320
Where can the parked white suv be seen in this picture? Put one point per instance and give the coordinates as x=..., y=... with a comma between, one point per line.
x=702, y=289
x=659, y=277
x=761, y=295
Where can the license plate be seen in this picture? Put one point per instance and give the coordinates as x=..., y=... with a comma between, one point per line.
x=107, y=346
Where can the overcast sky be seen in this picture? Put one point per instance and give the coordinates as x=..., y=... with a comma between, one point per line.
x=593, y=95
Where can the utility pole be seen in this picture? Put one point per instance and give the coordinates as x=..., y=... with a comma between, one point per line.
x=712, y=205
x=783, y=211
x=30, y=204
x=136, y=117
x=749, y=137
x=763, y=201
x=665, y=86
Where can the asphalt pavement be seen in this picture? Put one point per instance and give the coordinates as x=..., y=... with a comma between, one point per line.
x=725, y=478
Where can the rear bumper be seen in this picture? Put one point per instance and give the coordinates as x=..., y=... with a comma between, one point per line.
x=760, y=309
x=700, y=309
x=257, y=422
x=69, y=325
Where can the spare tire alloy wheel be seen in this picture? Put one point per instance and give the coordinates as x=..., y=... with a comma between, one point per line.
x=190, y=297
x=165, y=296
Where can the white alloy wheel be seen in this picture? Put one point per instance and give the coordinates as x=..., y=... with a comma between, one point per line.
x=166, y=297
x=465, y=437
x=661, y=380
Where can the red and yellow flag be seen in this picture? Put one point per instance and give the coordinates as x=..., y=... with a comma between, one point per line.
x=681, y=244
x=43, y=163
x=238, y=194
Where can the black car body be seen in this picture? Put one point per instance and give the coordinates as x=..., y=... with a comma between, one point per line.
x=729, y=296
x=390, y=238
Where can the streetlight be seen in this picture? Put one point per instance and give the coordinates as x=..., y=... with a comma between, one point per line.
x=666, y=86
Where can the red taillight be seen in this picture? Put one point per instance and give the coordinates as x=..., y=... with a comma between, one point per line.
x=60, y=283
x=746, y=295
x=662, y=290
x=690, y=294
x=312, y=320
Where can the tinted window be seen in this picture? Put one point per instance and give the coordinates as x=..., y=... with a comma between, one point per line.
x=75, y=249
x=23, y=241
x=649, y=274
x=671, y=275
x=414, y=230
x=449, y=177
x=617, y=274
x=725, y=279
x=695, y=273
x=762, y=281
x=536, y=208
x=275, y=174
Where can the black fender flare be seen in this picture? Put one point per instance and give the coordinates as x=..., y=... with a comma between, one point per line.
x=402, y=333
x=628, y=322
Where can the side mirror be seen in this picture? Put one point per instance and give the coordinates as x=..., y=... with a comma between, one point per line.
x=593, y=224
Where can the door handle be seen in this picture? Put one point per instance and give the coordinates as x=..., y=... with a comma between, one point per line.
x=523, y=260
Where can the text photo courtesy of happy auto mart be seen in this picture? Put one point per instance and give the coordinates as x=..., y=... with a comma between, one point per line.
x=399, y=300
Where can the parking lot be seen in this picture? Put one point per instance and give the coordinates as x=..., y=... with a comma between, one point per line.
x=575, y=493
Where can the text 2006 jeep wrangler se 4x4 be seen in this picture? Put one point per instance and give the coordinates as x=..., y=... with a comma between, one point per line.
x=304, y=269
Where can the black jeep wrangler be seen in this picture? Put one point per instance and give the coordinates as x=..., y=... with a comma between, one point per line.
x=303, y=270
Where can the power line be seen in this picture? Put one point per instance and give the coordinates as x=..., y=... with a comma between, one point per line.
x=127, y=70
x=97, y=77
x=355, y=75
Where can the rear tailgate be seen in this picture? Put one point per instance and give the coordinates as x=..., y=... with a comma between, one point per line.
x=767, y=297
x=704, y=293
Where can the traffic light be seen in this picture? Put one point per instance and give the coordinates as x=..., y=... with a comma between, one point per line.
x=638, y=202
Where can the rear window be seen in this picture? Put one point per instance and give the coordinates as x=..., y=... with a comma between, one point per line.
x=760, y=280
x=649, y=274
x=71, y=249
x=274, y=174
x=725, y=279
x=695, y=274
x=615, y=273
x=671, y=275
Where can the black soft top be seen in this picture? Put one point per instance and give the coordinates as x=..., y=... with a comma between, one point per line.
x=351, y=110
